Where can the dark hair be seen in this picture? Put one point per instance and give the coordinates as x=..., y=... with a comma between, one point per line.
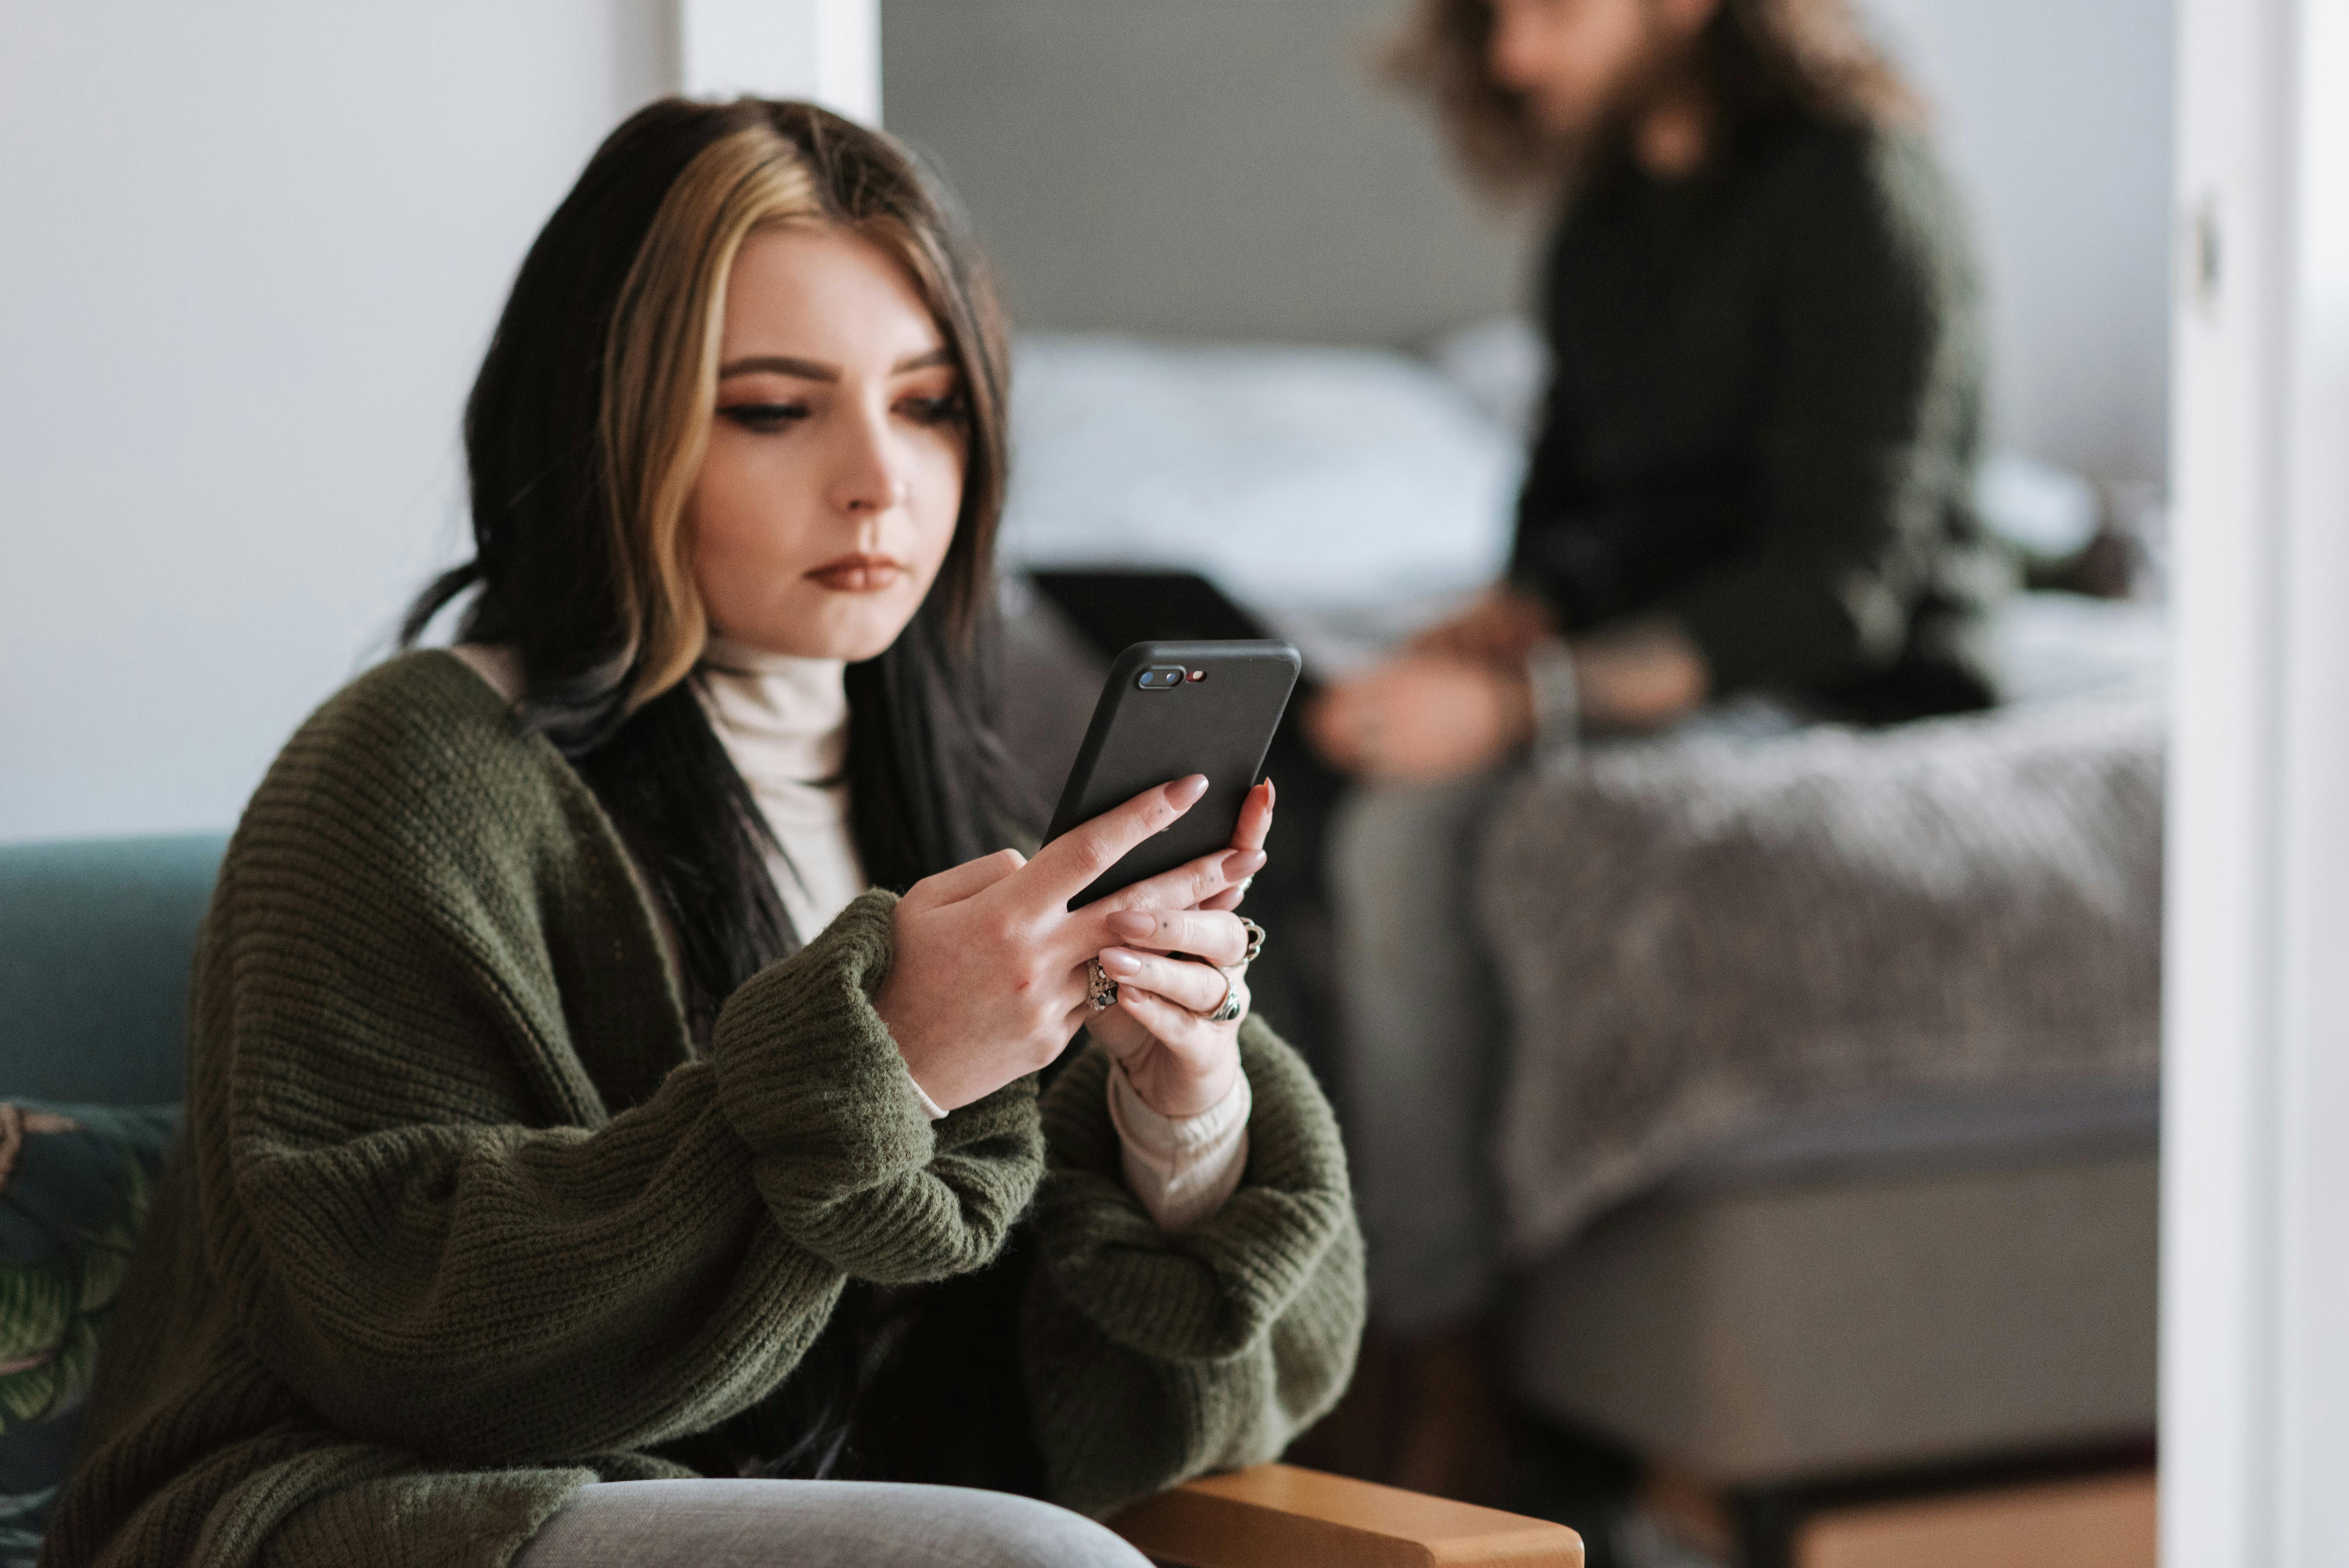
x=605, y=621
x=1764, y=61
x=580, y=435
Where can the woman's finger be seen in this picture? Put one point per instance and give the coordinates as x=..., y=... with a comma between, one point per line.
x=967, y=880
x=1186, y=886
x=1255, y=817
x=1254, y=827
x=1199, y=988
x=1122, y=1035
x=1179, y=1029
x=1070, y=864
x=1215, y=935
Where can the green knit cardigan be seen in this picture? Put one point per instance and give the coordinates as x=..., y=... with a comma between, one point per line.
x=463, y=1222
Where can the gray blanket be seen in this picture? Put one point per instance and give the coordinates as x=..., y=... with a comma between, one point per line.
x=1696, y=935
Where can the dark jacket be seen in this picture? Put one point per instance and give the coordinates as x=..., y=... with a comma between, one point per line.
x=1766, y=417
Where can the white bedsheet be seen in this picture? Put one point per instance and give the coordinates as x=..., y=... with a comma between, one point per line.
x=1350, y=494
x=1320, y=478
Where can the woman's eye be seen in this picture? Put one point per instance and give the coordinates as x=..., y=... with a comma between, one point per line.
x=765, y=416
x=946, y=410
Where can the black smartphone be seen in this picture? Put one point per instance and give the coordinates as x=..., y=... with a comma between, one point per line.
x=1169, y=710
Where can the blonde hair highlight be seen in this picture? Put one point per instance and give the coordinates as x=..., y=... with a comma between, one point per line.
x=660, y=382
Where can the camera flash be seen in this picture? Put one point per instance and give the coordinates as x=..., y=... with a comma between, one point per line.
x=1198, y=674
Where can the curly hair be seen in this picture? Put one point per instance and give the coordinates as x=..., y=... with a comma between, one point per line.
x=1765, y=60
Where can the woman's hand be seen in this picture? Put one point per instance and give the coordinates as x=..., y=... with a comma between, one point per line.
x=1639, y=675
x=1423, y=717
x=1455, y=701
x=988, y=979
x=1179, y=1062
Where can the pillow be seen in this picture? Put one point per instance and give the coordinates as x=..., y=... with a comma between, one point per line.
x=76, y=1182
x=1297, y=478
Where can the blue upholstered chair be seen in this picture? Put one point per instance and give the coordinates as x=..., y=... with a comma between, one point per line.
x=95, y=941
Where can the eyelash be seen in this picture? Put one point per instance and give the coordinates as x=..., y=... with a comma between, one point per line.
x=764, y=418
x=950, y=409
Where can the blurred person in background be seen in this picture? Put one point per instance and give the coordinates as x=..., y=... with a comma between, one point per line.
x=1749, y=504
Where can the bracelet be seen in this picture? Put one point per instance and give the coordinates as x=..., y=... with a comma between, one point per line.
x=1558, y=703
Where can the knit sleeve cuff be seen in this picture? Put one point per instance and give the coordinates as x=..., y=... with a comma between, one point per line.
x=1210, y=1293
x=1183, y=1168
x=850, y=1163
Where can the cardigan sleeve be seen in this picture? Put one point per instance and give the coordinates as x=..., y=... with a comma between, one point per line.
x=1198, y=1350
x=430, y=1225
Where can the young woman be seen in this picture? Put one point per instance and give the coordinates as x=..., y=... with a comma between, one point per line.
x=567, y=1121
x=1752, y=480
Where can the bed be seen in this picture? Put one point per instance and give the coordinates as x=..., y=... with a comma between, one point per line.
x=1778, y=1215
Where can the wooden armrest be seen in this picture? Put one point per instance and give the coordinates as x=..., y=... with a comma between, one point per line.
x=1278, y=1516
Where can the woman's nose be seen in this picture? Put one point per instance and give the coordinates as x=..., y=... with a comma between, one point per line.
x=869, y=476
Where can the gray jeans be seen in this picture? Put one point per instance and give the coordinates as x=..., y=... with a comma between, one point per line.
x=1425, y=1055
x=774, y=1523
x=1423, y=1048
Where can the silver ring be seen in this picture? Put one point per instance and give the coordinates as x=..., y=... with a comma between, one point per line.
x=1101, y=990
x=1256, y=940
x=1231, y=1007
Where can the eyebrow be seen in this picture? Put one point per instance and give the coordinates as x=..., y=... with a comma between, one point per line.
x=816, y=370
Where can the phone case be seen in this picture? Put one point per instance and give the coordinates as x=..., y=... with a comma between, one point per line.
x=1219, y=724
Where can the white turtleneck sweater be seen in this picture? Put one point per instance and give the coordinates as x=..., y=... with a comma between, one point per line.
x=783, y=721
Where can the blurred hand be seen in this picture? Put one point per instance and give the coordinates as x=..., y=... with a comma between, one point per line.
x=1500, y=626
x=1178, y=1062
x=1423, y=718
x=990, y=977
x=1638, y=677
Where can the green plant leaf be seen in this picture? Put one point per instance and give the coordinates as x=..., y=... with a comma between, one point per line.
x=106, y=1256
x=26, y=1396
x=77, y=1365
x=37, y=1301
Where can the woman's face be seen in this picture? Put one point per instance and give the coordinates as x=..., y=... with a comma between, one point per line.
x=834, y=472
x=1582, y=64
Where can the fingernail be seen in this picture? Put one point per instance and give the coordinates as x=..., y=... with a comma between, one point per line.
x=1132, y=926
x=1185, y=793
x=1270, y=794
x=1120, y=962
x=1242, y=863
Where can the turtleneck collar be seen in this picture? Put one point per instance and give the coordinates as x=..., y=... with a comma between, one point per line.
x=784, y=715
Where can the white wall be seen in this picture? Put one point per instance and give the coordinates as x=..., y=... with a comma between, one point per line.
x=2056, y=115
x=1214, y=169
x=2255, y=1166
x=250, y=257
x=827, y=50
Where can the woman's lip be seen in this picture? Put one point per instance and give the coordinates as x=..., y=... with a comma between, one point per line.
x=859, y=573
